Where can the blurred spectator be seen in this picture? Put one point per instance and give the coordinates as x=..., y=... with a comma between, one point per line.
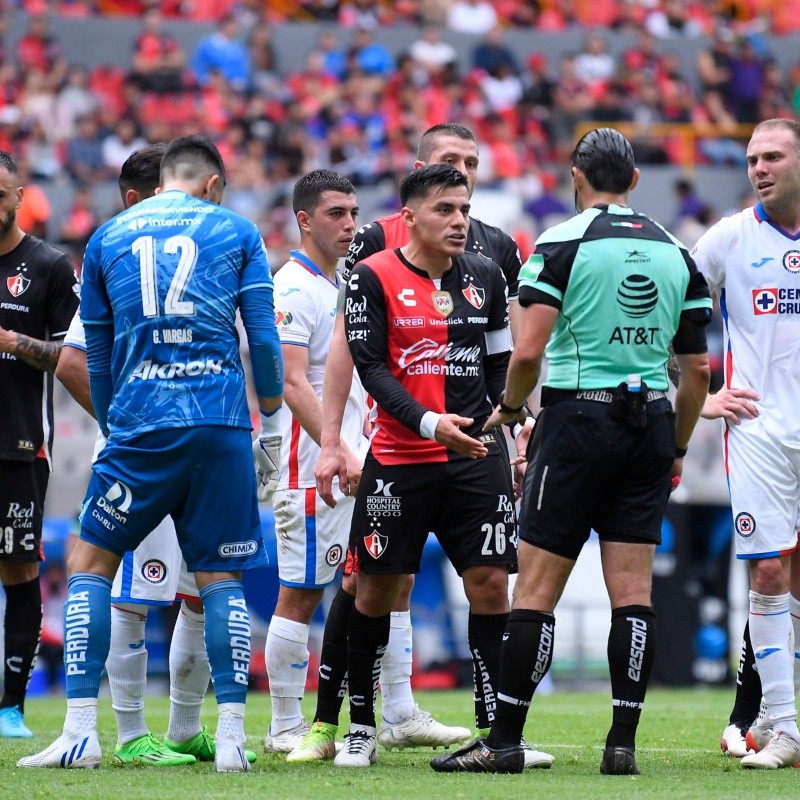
x=471, y=16
x=775, y=99
x=689, y=204
x=493, y=52
x=672, y=19
x=594, y=64
x=747, y=82
x=33, y=215
x=363, y=14
x=430, y=52
x=37, y=101
x=714, y=65
x=158, y=58
x=334, y=61
x=548, y=204
x=502, y=89
x=370, y=56
x=323, y=10
x=224, y=53
x=41, y=153
x=265, y=76
x=74, y=99
x=118, y=145
x=38, y=49
x=84, y=157
x=78, y=223
x=572, y=103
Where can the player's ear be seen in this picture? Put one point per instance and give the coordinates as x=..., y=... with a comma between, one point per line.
x=302, y=220
x=636, y=175
x=132, y=197
x=213, y=188
x=407, y=215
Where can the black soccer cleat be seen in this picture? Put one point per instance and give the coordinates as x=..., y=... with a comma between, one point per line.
x=477, y=756
x=618, y=761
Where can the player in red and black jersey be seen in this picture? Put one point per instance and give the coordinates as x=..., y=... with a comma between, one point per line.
x=403, y=724
x=38, y=298
x=427, y=328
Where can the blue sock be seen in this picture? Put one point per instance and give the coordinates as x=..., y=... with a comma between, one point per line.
x=227, y=639
x=87, y=633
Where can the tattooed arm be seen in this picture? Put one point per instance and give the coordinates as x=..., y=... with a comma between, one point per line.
x=38, y=354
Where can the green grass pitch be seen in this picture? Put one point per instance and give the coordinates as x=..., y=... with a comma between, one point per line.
x=678, y=754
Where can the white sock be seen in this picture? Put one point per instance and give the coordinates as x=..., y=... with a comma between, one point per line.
x=230, y=724
x=127, y=671
x=398, y=700
x=81, y=715
x=794, y=611
x=189, y=674
x=286, y=653
x=771, y=632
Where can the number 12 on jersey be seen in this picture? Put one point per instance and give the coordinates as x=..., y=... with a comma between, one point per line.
x=174, y=304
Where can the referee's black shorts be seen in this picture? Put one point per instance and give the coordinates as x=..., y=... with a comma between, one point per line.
x=586, y=471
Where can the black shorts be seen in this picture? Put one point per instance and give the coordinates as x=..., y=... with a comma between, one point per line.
x=469, y=505
x=586, y=471
x=23, y=486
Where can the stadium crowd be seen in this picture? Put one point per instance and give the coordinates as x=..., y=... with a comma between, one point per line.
x=358, y=108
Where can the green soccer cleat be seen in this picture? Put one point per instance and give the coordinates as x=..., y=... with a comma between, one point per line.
x=201, y=746
x=148, y=751
x=319, y=744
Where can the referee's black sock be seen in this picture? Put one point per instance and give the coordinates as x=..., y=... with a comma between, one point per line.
x=23, y=626
x=485, y=635
x=524, y=660
x=748, y=686
x=631, y=650
x=333, y=660
x=367, y=638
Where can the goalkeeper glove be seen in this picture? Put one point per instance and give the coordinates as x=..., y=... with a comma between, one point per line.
x=267, y=460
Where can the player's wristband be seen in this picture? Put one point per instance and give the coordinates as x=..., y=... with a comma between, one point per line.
x=427, y=425
x=680, y=452
x=271, y=423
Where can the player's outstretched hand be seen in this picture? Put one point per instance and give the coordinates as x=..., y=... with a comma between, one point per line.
x=330, y=464
x=267, y=460
x=731, y=404
x=448, y=433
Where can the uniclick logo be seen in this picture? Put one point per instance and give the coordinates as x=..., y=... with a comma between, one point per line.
x=637, y=296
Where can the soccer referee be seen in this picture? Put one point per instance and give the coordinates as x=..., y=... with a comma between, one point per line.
x=607, y=292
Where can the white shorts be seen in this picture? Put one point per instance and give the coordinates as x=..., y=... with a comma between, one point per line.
x=311, y=536
x=764, y=481
x=155, y=573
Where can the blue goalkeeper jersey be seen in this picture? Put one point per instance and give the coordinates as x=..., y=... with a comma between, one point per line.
x=161, y=285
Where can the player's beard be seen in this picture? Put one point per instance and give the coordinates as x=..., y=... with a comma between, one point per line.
x=7, y=223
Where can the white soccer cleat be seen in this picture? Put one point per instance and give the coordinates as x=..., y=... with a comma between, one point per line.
x=288, y=740
x=781, y=751
x=69, y=751
x=420, y=730
x=231, y=755
x=535, y=759
x=760, y=733
x=732, y=742
x=360, y=748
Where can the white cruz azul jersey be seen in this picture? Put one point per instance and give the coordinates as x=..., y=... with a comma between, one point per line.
x=305, y=312
x=753, y=266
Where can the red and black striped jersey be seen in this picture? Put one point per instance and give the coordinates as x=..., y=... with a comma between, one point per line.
x=424, y=345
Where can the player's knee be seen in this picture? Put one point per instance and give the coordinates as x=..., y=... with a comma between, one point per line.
x=487, y=589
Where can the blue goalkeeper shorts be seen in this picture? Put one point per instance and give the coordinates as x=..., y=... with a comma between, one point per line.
x=202, y=477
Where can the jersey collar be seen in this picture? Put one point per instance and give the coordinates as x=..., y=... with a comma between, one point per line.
x=760, y=213
x=304, y=261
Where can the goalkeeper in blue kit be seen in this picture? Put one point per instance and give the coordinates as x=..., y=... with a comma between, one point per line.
x=162, y=283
